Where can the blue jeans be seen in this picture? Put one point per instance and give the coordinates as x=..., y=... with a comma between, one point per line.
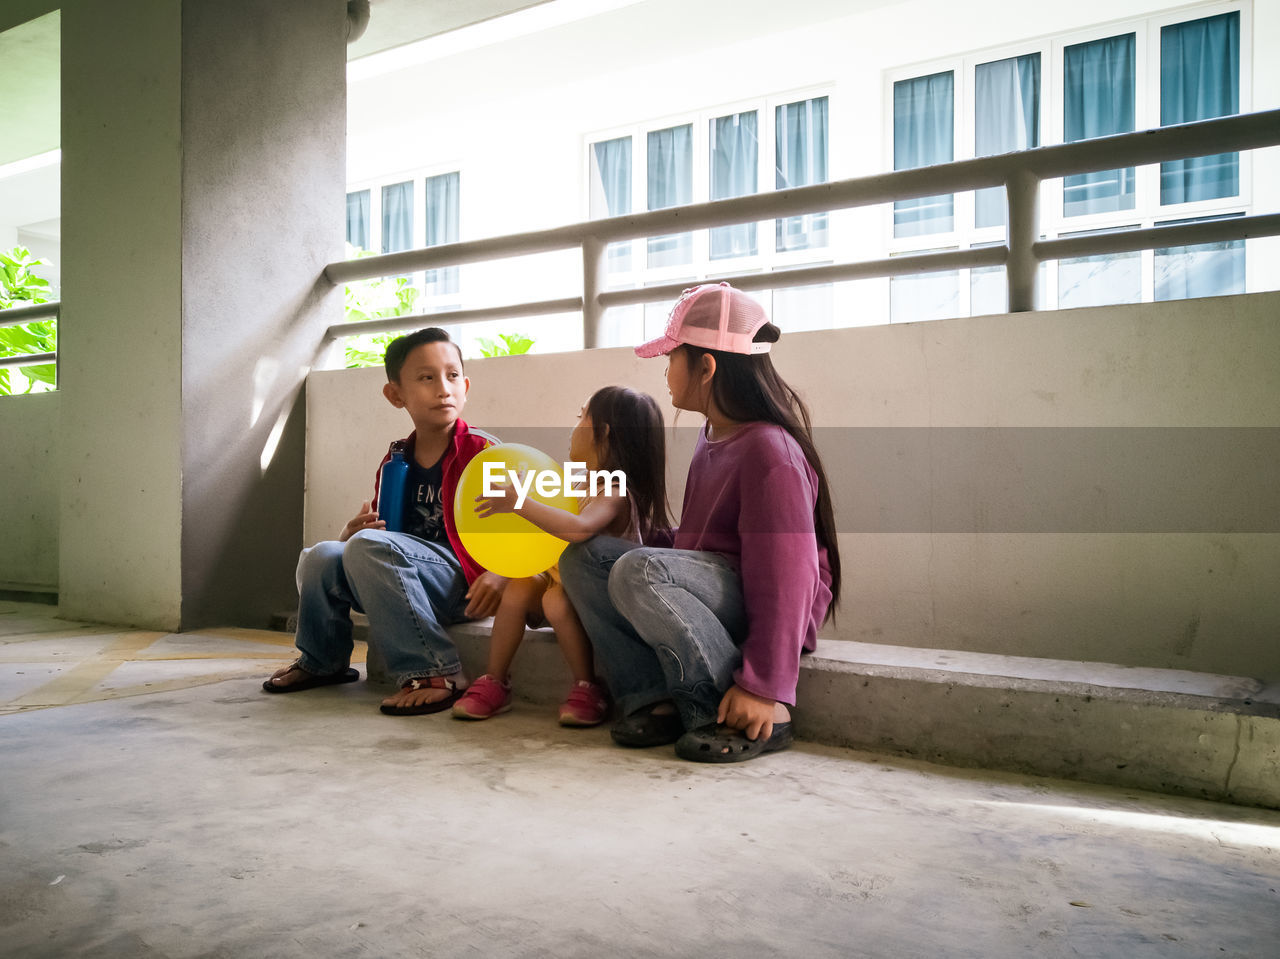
x=664, y=623
x=410, y=590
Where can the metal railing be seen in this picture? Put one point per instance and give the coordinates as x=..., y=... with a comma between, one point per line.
x=26, y=314
x=1019, y=173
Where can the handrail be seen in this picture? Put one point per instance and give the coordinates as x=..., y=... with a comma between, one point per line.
x=1019, y=172
x=17, y=315
x=28, y=359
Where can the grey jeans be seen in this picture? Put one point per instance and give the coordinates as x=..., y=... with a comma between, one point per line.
x=664, y=623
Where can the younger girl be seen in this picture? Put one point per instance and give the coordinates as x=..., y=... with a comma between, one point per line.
x=618, y=429
x=701, y=644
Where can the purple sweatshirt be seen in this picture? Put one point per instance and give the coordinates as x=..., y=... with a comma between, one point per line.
x=751, y=497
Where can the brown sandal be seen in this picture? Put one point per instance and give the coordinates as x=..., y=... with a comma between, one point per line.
x=310, y=680
x=423, y=709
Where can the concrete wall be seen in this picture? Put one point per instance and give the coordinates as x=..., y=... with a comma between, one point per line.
x=263, y=99
x=29, y=490
x=1174, y=599
x=202, y=163
x=121, y=318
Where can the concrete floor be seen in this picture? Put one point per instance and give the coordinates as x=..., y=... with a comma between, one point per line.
x=156, y=803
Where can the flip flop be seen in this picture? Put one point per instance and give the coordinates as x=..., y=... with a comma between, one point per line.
x=424, y=709
x=311, y=680
x=645, y=728
x=720, y=744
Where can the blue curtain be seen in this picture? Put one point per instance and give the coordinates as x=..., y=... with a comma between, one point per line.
x=735, y=150
x=611, y=191
x=1098, y=101
x=800, y=159
x=358, y=219
x=1200, y=79
x=1007, y=118
x=923, y=134
x=397, y=217
x=669, y=167
x=442, y=216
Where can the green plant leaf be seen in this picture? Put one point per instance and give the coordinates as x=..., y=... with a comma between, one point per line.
x=44, y=373
x=19, y=286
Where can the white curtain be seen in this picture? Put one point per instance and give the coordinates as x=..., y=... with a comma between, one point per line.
x=397, y=217
x=1007, y=118
x=800, y=159
x=611, y=191
x=669, y=167
x=442, y=217
x=735, y=149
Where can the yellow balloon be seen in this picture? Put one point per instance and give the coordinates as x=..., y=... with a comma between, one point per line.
x=507, y=543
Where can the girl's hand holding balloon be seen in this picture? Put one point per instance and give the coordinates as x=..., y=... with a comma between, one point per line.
x=503, y=502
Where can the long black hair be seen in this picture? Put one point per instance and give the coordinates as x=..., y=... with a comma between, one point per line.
x=627, y=425
x=748, y=389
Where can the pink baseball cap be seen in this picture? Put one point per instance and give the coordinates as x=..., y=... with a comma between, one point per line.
x=714, y=316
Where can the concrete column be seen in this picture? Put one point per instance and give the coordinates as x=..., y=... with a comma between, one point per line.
x=203, y=176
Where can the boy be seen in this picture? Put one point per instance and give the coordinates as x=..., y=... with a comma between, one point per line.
x=413, y=584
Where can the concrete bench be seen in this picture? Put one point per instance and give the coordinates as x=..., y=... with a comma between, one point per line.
x=1175, y=731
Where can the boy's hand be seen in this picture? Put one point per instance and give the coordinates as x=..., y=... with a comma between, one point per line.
x=748, y=712
x=485, y=594
x=503, y=502
x=365, y=519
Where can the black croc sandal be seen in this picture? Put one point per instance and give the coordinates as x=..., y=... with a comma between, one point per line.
x=720, y=744
x=645, y=728
x=311, y=680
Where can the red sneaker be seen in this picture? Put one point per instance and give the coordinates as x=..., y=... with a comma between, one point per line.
x=586, y=705
x=485, y=697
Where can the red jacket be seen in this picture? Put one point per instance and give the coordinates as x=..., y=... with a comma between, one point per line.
x=467, y=442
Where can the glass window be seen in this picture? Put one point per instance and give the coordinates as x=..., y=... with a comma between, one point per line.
x=799, y=308
x=1200, y=79
x=669, y=167
x=1206, y=269
x=800, y=159
x=734, y=148
x=1098, y=101
x=442, y=216
x=923, y=134
x=611, y=191
x=1099, y=280
x=397, y=217
x=924, y=296
x=1007, y=118
x=358, y=219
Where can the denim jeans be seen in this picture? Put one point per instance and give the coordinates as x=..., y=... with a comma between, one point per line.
x=410, y=590
x=664, y=623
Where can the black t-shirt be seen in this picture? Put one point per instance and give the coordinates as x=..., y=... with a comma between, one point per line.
x=424, y=502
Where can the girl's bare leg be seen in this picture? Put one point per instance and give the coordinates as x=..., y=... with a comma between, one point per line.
x=519, y=599
x=569, y=633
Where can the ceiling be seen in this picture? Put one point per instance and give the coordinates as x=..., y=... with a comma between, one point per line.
x=393, y=23
x=30, y=55
x=29, y=76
